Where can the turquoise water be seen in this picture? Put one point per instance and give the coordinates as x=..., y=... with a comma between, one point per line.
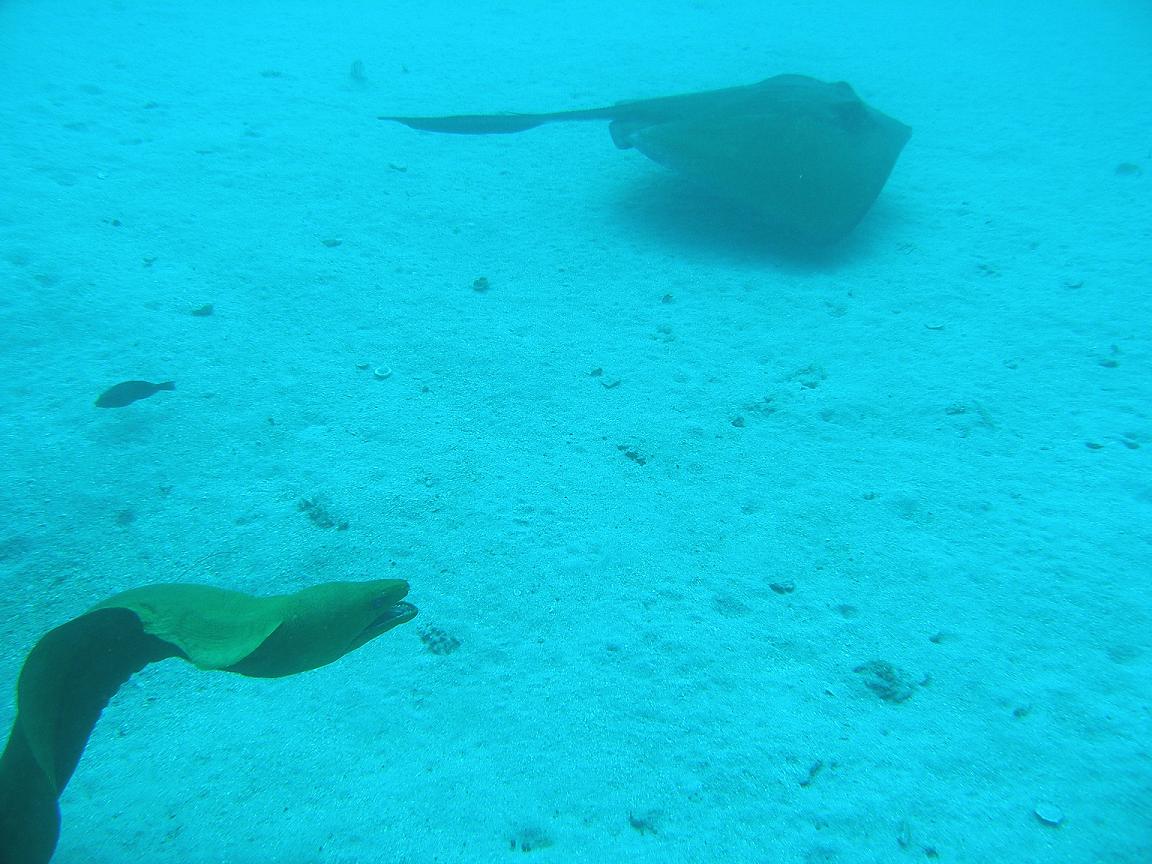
x=723, y=553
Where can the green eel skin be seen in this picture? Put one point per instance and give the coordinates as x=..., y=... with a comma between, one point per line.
x=74, y=670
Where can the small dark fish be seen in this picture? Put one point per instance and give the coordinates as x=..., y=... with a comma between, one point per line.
x=127, y=392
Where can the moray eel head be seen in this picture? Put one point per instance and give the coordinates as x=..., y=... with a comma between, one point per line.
x=323, y=623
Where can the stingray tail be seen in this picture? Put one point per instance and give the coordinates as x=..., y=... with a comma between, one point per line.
x=497, y=124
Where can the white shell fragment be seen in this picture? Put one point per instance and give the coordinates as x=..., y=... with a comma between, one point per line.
x=1049, y=813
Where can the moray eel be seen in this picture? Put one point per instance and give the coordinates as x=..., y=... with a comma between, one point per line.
x=74, y=670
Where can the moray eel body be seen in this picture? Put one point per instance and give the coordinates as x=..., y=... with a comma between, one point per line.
x=74, y=670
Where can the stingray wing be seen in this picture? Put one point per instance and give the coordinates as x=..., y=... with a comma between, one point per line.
x=809, y=157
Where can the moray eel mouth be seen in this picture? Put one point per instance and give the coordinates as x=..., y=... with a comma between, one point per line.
x=392, y=616
x=392, y=613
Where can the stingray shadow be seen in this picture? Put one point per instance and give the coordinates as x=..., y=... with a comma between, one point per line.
x=671, y=211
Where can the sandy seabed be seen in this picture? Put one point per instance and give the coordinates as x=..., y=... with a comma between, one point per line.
x=722, y=553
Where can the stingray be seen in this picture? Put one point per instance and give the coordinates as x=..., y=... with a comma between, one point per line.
x=808, y=156
x=75, y=669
